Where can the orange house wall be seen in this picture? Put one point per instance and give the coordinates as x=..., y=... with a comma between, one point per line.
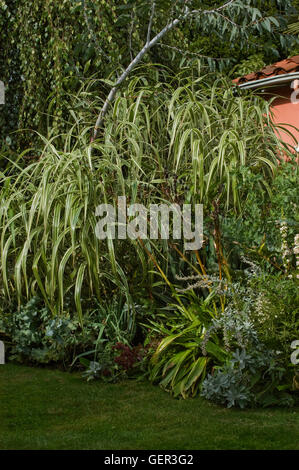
x=286, y=113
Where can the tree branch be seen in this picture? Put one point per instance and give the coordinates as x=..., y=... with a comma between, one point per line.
x=194, y=54
x=150, y=24
x=148, y=45
x=131, y=33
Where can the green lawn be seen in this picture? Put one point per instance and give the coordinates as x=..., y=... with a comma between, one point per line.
x=48, y=409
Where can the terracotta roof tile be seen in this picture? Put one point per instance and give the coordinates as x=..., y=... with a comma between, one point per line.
x=279, y=68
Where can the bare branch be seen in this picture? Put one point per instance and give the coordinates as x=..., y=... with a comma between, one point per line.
x=150, y=24
x=194, y=54
x=228, y=19
x=215, y=10
x=148, y=45
x=131, y=33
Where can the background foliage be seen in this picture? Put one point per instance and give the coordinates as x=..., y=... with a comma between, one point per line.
x=47, y=47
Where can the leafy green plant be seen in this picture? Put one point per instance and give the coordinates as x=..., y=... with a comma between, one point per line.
x=117, y=361
x=256, y=232
x=252, y=64
x=247, y=379
x=34, y=335
x=246, y=346
x=178, y=364
x=257, y=337
x=276, y=311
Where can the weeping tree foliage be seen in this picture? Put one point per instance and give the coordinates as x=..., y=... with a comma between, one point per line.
x=293, y=23
x=48, y=46
x=179, y=141
x=231, y=20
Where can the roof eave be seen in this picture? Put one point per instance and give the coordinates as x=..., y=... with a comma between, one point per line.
x=265, y=82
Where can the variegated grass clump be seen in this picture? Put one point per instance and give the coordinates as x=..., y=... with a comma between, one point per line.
x=199, y=134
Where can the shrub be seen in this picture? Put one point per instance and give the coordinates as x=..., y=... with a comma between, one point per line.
x=257, y=337
x=116, y=361
x=178, y=364
x=248, y=379
x=34, y=335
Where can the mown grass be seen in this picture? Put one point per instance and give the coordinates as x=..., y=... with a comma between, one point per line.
x=49, y=409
